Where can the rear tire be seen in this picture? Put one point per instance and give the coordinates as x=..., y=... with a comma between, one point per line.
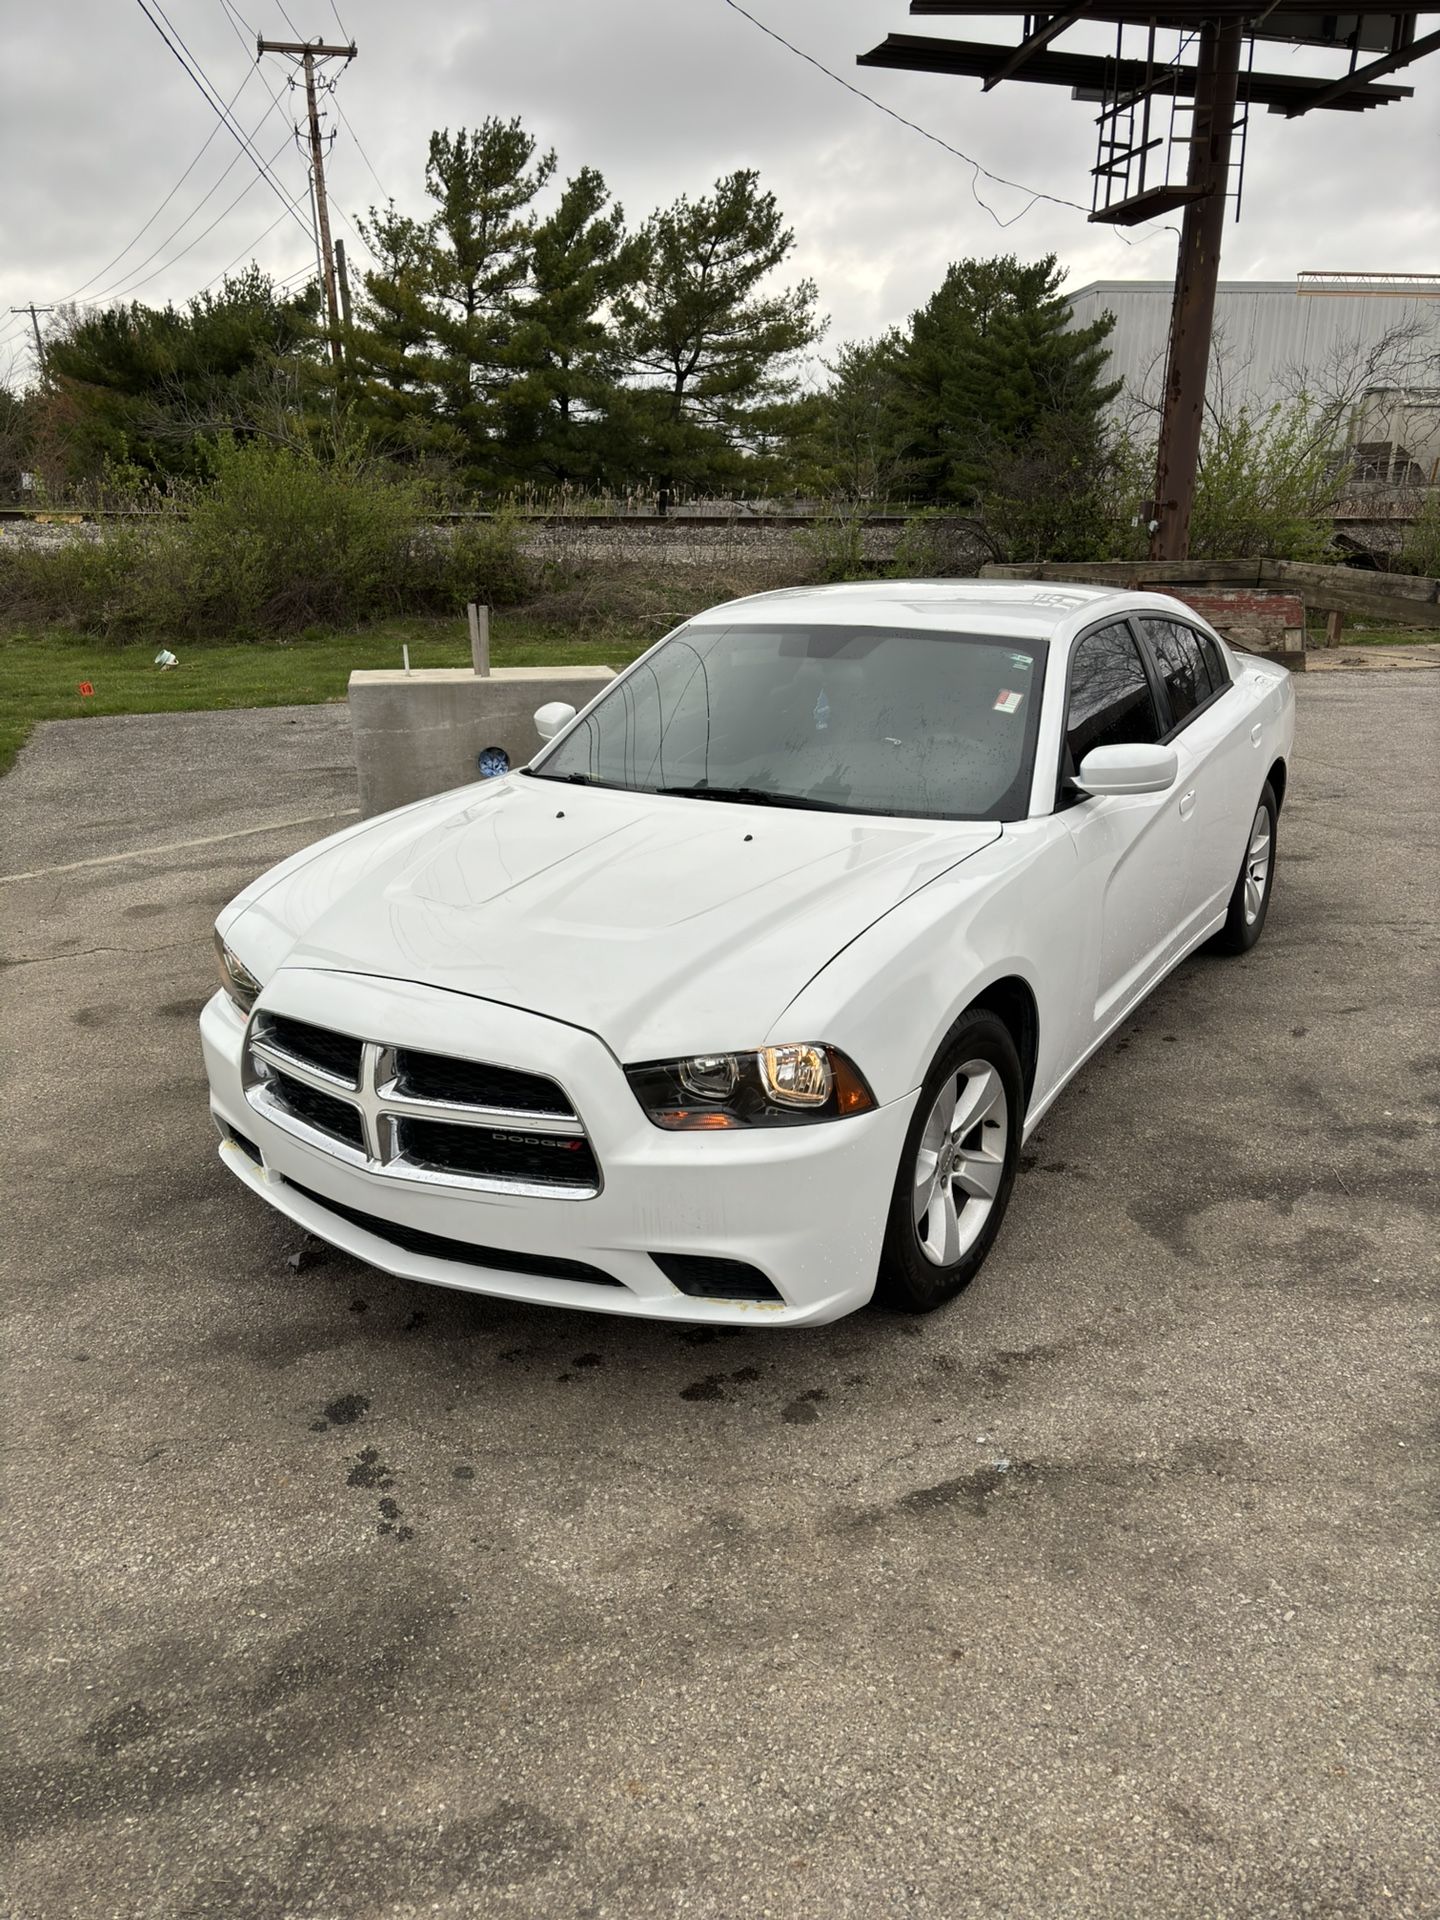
x=1250, y=902
x=957, y=1168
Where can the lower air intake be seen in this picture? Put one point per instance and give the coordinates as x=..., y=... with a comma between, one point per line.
x=705, y=1277
x=435, y=1246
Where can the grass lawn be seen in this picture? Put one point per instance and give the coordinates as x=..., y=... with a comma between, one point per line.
x=41, y=669
x=1380, y=633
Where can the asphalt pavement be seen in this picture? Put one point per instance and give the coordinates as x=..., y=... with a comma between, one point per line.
x=1107, y=1591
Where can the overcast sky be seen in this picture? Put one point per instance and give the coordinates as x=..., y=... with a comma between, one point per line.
x=98, y=121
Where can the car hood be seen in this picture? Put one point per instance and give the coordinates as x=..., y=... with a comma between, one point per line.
x=663, y=925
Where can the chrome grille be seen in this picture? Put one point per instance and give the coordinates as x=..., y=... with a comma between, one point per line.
x=419, y=1116
x=436, y=1076
x=334, y=1053
x=339, y=1118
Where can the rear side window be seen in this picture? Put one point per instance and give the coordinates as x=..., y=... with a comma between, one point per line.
x=1111, y=704
x=1182, y=666
x=1214, y=661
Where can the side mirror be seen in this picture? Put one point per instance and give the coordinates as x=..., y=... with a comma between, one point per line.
x=1128, y=769
x=550, y=718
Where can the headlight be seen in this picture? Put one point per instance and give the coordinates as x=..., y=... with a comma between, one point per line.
x=773, y=1087
x=235, y=977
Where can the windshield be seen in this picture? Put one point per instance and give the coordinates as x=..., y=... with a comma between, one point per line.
x=849, y=719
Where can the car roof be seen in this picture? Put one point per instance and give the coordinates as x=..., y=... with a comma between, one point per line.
x=1028, y=609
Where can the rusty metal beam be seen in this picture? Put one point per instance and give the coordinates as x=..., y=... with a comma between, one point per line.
x=1398, y=57
x=1037, y=43
x=1192, y=317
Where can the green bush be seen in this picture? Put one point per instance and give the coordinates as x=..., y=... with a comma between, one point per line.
x=478, y=560
x=279, y=540
x=1421, y=552
x=276, y=541
x=835, y=548
x=78, y=582
x=1267, y=486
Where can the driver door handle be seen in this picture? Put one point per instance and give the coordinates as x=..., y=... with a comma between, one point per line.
x=1187, y=804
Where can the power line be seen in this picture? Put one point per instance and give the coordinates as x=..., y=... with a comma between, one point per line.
x=126, y=277
x=1035, y=194
x=204, y=146
x=207, y=93
x=334, y=95
x=235, y=20
x=249, y=187
x=306, y=270
x=344, y=30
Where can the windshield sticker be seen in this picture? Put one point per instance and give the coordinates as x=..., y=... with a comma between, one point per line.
x=1020, y=662
x=822, y=713
x=1006, y=702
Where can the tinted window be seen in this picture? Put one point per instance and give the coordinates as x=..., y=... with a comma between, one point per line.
x=1111, y=704
x=1182, y=666
x=1215, y=662
x=842, y=718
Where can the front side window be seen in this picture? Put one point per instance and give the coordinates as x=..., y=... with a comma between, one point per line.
x=1182, y=666
x=844, y=719
x=1111, y=704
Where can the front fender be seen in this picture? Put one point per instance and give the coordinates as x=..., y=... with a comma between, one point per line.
x=1013, y=910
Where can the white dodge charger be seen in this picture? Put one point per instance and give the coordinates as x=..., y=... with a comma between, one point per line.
x=737, y=1003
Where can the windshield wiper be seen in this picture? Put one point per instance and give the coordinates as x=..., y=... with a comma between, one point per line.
x=569, y=779
x=756, y=796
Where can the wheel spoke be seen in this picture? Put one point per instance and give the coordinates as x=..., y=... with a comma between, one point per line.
x=927, y=1163
x=936, y=1127
x=977, y=1173
x=977, y=1100
x=942, y=1228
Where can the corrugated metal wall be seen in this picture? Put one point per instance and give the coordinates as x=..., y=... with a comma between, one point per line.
x=1266, y=333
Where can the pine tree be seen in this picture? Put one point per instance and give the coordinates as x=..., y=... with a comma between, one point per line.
x=477, y=257
x=389, y=349
x=154, y=386
x=854, y=445
x=712, y=351
x=991, y=365
x=564, y=404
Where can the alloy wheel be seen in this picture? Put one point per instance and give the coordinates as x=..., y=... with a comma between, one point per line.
x=960, y=1161
x=1257, y=865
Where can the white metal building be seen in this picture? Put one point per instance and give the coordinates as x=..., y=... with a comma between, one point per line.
x=1376, y=336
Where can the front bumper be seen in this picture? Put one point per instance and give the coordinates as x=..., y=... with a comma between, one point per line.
x=806, y=1205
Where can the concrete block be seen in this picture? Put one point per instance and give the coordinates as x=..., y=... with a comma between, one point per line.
x=421, y=733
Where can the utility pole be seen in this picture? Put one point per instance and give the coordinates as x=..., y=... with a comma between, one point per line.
x=343, y=274
x=34, y=313
x=307, y=53
x=1192, y=315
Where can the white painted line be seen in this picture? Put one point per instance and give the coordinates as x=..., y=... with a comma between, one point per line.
x=182, y=846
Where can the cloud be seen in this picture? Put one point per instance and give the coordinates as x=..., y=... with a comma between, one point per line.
x=98, y=123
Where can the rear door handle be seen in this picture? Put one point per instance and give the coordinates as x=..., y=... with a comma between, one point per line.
x=1257, y=734
x=1187, y=804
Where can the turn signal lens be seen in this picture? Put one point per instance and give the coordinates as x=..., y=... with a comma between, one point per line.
x=796, y=1076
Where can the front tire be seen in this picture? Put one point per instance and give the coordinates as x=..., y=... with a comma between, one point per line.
x=957, y=1168
x=1250, y=902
